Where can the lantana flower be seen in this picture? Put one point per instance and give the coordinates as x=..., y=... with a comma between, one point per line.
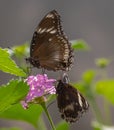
x=40, y=86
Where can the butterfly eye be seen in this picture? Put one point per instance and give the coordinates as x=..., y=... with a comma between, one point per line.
x=50, y=48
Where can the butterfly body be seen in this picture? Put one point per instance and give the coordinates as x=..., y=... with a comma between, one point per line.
x=70, y=102
x=50, y=48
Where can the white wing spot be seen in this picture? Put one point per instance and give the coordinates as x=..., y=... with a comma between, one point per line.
x=87, y=104
x=53, y=31
x=79, y=99
x=50, y=39
x=42, y=30
x=69, y=107
x=48, y=30
x=50, y=16
x=39, y=30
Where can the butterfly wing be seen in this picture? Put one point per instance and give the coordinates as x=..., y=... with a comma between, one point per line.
x=71, y=103
x=54, y=54
x=50, y=49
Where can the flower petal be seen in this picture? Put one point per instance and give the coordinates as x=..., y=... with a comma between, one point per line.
x=40, y=86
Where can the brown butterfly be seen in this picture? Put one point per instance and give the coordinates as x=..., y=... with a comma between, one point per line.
x=50, y=48
x=70, y=101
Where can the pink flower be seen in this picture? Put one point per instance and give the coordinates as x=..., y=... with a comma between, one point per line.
x=40, y=86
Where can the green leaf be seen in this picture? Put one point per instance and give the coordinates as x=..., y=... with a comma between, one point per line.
x=102, y=62
x=96, y=125
x=41, y=124
x=8, y=65
x=21, y=50
x=88, y=76
x=80, y=86
x=12, y=93
x=62, y=126
x=106, y=88
x=30, y=115
x=80, y=45
x=84, y=89
x=99, y=126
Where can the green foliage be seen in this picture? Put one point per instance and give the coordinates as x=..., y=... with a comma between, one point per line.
x=11, y=93
x=41, y=125
x=106, y=88
x=102, y=62
x=8, y=65
x=80, y=45
x=85, y=85
x=62, y=126
x=30, y=115
x=21, y=50
x=88, y=76
x=99, y=126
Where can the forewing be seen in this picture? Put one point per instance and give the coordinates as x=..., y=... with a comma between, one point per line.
x=55, y=54
x=49, y=44
x=49, y=26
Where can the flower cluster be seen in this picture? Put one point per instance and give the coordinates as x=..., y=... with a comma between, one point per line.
x=40, y=86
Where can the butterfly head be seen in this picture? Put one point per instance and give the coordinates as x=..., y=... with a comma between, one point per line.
x=61, y=83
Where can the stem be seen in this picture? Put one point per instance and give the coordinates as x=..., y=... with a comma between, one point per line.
x=91, y=97
x=97, y=111
x=48, y=115
x=107, y=112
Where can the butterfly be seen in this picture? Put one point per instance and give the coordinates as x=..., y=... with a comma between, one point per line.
x=50, y=48
x=70, y=101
